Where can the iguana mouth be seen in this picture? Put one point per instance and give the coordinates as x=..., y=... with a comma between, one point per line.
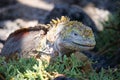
x=84, y=45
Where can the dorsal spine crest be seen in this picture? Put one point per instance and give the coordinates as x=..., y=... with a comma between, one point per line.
x=63, y=19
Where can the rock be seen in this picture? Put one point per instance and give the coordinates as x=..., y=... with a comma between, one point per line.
x=64, y=78
x=98, y=10
x=72, y=11
x=9, y=26
x=97, y=15
x=23, y=23
x=103, y=61
x=4, y=3
x=27, y=10
x=1, y=46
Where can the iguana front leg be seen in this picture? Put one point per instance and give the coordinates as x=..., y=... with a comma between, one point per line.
x=87, y=64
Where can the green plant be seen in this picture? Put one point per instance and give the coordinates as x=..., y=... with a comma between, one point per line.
x=32, y=69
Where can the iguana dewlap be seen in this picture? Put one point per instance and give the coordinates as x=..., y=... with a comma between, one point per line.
x=62, y=38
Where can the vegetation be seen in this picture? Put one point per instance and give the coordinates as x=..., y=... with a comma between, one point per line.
x=32, y=69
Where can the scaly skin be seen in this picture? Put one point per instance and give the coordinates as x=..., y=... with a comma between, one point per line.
x=63, y=38
x=70, y=36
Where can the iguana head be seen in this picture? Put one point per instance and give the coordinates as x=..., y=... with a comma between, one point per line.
x=70, y=35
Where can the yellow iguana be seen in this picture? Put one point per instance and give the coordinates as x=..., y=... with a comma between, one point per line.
x=60, y=37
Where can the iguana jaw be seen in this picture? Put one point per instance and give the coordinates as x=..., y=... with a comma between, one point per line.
x=67, y=46
x=77, y=46
x=78, y=43
x=84, y=45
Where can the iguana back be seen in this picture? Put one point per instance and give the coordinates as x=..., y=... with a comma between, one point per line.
x=23, y=42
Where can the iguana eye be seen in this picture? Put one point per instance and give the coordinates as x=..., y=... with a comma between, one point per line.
x=75, y=34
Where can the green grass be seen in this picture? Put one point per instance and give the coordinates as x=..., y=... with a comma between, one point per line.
x=32, y=69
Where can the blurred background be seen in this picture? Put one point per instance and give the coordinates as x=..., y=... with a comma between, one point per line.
x=103, y=16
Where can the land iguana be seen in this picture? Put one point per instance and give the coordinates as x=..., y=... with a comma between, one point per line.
x=60, y=37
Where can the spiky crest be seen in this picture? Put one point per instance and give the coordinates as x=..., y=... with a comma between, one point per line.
x=63, y=19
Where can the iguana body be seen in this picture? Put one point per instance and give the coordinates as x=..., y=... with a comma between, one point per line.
x=63, y=38
x=23, y=42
